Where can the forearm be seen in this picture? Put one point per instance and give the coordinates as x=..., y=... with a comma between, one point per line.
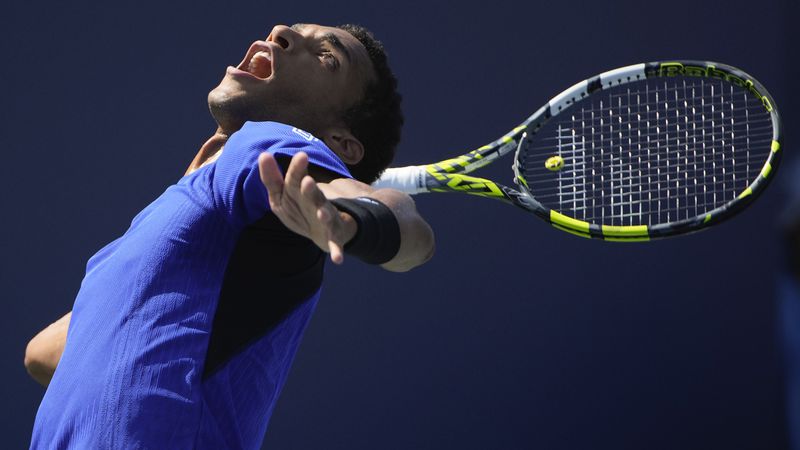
x=44, y=350
x=303, y=204
x=417, y=242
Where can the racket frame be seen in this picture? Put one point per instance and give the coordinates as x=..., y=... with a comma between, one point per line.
x=450, y=175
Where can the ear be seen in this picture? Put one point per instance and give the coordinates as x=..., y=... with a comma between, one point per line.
x=346, y=146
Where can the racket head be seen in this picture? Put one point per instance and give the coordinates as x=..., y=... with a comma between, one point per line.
x=650, y=150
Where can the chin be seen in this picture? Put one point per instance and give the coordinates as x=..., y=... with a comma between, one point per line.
x=231, y=108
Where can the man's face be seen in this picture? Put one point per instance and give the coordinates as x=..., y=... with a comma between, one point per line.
x=306, y=76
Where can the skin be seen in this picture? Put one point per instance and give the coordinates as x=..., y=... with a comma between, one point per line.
x=316, y=73
x=312, y=82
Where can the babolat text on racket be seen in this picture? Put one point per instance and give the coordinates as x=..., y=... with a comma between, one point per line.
x=636, y=153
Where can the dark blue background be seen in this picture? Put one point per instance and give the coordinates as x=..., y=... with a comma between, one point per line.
x=514, y=335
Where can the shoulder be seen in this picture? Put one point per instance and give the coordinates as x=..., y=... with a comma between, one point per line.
x=284, y=141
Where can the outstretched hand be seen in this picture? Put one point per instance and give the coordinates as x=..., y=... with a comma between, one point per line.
x=300, y=205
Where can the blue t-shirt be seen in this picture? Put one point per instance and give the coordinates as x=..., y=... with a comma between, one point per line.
x=133, y=373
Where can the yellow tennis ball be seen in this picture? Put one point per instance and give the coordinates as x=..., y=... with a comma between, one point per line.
x=554, y=163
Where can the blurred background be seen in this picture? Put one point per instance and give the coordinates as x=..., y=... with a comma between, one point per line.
x=515, y=335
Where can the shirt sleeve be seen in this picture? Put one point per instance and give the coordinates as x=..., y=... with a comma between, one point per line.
x=236, y=186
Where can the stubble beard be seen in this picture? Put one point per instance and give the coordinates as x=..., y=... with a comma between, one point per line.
x=232, y=111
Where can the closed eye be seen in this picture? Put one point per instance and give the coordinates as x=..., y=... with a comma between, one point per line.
x=330, y=60
x=336, y=43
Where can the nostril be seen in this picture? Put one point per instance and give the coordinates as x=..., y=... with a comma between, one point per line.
x=282, y=42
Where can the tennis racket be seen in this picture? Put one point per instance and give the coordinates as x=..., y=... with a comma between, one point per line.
x=641, y=152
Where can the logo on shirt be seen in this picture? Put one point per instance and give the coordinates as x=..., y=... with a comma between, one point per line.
x=304, y=134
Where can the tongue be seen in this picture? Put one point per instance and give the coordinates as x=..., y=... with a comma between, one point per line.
x=260, y=66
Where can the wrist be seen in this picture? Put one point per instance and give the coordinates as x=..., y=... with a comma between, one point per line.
x=377, y=233
x=349, y=227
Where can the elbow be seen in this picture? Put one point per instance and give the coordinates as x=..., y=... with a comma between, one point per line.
x=36, y=364
x=420, y=259
x=424, y=245
x=417, y=242
x=428, y=247
x=31, y=361
x=417, y=252
x=44, y=351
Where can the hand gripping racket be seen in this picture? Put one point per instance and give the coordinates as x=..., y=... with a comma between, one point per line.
x=637, y=153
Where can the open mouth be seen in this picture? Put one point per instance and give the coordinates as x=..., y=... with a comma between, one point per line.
x=258, y=61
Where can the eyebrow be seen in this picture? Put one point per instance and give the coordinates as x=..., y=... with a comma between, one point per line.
x=328, y=37
x=336, y=42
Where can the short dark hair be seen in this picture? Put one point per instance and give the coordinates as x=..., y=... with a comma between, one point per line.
x=377, y=119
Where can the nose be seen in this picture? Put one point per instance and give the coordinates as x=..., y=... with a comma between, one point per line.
x=284, y=36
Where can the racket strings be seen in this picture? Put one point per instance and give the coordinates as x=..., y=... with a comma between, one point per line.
x=706, y=180
x=740, y=131
x=657, y=152
x=579, y=162
x=697, y=109
x=637, y=204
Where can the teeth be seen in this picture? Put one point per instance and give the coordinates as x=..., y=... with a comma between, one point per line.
x=260, y=64
x=261, y=54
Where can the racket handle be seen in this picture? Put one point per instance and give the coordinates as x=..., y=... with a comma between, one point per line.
x=410, y=179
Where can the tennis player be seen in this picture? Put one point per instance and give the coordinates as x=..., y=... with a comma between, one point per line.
x=184, y=328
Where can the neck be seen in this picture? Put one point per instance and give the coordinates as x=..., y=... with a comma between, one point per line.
x=209, y=150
